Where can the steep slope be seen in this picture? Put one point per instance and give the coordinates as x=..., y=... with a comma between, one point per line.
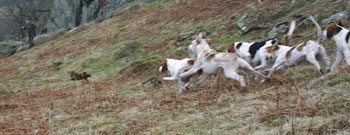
x=123, y=52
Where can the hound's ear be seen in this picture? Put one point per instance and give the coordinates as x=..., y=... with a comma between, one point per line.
x=275, y=46
x=231, y=48
x=199, y=38
x=340, y=24
x=208, y=40
x=201, y=34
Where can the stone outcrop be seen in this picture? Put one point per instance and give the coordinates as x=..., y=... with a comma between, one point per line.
x=72, y=13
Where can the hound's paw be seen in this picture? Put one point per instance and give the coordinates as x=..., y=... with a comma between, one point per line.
x=169, y=78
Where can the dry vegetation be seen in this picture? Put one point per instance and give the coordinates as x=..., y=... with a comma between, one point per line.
x=36, y=98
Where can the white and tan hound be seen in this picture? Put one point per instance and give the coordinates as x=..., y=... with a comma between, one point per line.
x=209, y=61
x=175, y=67
x=311, y=51
x=341, y=36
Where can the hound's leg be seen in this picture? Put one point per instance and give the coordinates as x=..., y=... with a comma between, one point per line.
x=232, y=74
x=323, y=58
x=347, y=56
x=194, y=78
x=203, y=79
x=338, y=60
x=181, y=84
x=246, y=67
x=312, y=60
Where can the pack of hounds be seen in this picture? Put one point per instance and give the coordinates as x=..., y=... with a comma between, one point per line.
x=261, y=59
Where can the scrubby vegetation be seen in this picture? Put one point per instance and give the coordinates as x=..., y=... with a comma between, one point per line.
x=126, y=96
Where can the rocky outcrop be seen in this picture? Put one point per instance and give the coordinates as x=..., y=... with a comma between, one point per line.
x=107, y=10
x=90, y=10
x=65, y=14
x=12, y=44
x=7, y=52
x=334, y=18
x=72, y=13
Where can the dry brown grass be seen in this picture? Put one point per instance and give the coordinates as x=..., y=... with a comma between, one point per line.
x=58, y=106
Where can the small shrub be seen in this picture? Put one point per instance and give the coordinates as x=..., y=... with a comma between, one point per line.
x=333, y=82
x=147, y=63
x=346, y=78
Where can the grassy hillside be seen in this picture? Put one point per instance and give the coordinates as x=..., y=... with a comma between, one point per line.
x=123, y=52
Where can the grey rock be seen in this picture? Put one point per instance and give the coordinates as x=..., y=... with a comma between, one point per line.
x=334, y=18
x=148, y=1
x=241, y=23
x=49, y=35
x=283, y=28
x=221, y=27
x=72, y=13
x=67, y=58
x=22, y=48
x=107, y=11
x=191, y=35
x=12, y=44
x=214, y=33
x=154, y=82
x=129, y=49
x=90, y=10
x=65, y=14
x=127, y=92
x=57, y=62
x=305, y=22
x=134, y=8
x=7, y=52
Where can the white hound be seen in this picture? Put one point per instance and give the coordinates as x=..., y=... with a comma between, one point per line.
x=175, y=67
x=311, y=51
x=209, y=61
x=341, y=37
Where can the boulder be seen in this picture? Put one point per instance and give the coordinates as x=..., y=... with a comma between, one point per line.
x=48, y=35
x=334, y=18
x=154, y=82
x=134, y=8
x=7, y=52
x=90, y=10
x=128, y=49
x=191, y=35
x=12, y=44
x=57, y=62
x=241, y=23
x=148, y=1
x=65, y=14
x=305, y=22
x=72, y=13
x=283, y=28
x=107, y=11
x=22, y=48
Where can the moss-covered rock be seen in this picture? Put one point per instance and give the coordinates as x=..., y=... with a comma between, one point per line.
x=129, y=49
x=147, y=63
x=154, y=82
x=334, y=82
x=141, y=64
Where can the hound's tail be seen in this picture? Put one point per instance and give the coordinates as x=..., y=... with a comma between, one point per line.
x=291, y=31
x=319, y=31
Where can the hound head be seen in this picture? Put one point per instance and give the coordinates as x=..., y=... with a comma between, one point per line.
x=231, y=48
x=332, y=30
x=71, y=73
x=163, y=66
x=86, y=75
